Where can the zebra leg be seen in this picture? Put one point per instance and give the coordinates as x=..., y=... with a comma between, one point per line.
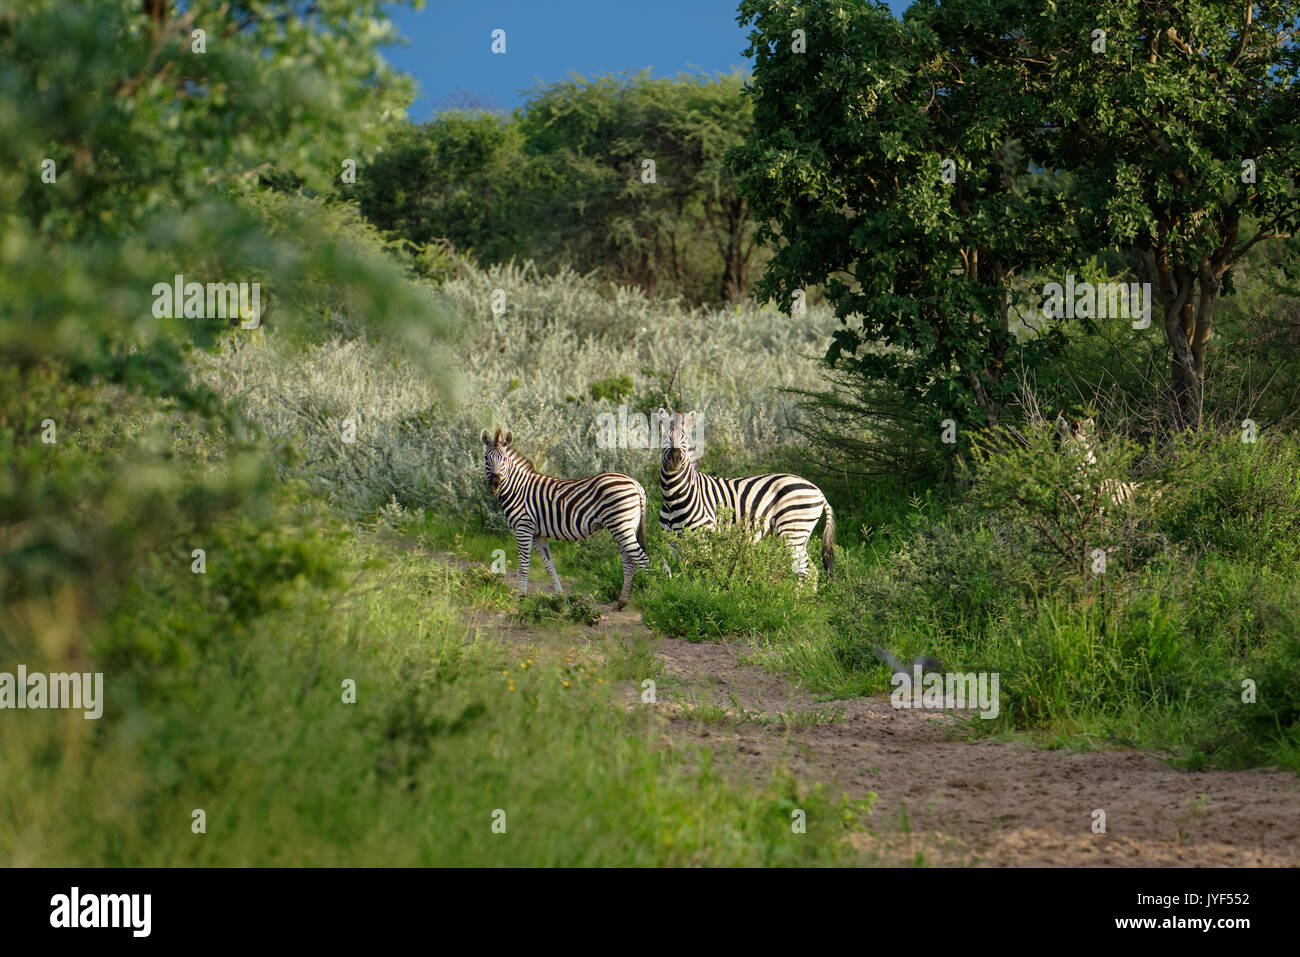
x=672, y=547
x=801, y=561
x=544, y=547
x=642, y=557
x=799, y=554
x=524, y=539
x=633, y=555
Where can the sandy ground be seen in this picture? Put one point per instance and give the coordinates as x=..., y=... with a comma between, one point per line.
x=946, y=801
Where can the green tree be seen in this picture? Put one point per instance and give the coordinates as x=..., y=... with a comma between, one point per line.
x=134, y=150
x=887, y=165
x=462, y=177
x=687, y=232
x=1181, y=125
x=560, y=182
x=1154, y=131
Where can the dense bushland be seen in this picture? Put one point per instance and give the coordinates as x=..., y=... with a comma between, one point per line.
x=1198, y=590
x=320, y=461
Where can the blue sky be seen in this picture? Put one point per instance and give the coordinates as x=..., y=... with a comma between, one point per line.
x=449, y=52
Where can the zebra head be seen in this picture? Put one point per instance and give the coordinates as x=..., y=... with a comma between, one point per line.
x=678, y=432
x=1076, y=437
x=497, y=458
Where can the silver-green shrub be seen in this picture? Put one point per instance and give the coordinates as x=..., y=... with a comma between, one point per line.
x=528, y=370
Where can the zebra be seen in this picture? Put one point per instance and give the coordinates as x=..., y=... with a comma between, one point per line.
x=1077, y=439
x=779, y=504
x=540, y=507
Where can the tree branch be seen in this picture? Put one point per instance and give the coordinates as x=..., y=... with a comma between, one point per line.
x=1245, y=34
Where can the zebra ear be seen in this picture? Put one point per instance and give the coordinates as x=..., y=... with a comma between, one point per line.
x=690, y=420
x=510, y=436
x=484, y=436
x=662, y=414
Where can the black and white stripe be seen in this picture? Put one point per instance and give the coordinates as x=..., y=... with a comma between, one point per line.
x=1076, y=439
x=778, y=504
x=540, y=507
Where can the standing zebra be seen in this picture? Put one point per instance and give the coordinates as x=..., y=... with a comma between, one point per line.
x=540, y=507
x=783, y=505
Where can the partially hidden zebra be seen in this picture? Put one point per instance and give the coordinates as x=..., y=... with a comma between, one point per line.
x=1076, y=438
x=540, y=507
x=778, y=504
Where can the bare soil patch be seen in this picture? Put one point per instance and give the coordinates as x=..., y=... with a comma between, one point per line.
x=947, y=801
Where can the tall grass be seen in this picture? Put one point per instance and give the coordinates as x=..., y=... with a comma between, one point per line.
x=250, y=724
x=725, y=585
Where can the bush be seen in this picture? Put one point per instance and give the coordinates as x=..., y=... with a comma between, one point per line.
x=723, y=585
x=950, y=577
x=537, y=607
x=613, y=388
x=1246, y=500
x=1076, y=507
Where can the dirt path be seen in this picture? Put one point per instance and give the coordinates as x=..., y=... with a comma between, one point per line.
x=947, y=801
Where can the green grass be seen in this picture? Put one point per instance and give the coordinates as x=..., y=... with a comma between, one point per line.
x=710, y=713
x=448, y=727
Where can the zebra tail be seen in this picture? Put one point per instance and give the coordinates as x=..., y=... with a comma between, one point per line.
x=828, y=544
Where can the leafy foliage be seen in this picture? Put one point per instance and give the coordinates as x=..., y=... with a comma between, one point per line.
x=846, y=170
x=1179, y=129
x=560, y=182
x=463, y=177
x=930, y=170
x=1077, y=507
x=724, y=585
x=133, y=159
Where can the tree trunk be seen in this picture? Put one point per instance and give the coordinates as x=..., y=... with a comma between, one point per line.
x=1186, y=383
x=1189, y=314
x=733, y=256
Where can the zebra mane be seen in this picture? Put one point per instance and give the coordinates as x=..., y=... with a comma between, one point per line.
x=520, y=459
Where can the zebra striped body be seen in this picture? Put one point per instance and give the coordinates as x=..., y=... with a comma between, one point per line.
x=1075, y=439
x=778, y=504
x=540, y=507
